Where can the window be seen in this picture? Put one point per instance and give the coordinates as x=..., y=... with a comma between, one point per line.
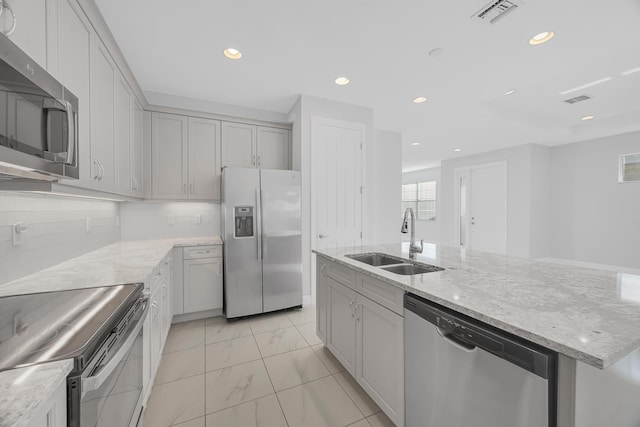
x=420, y=196
x=630, y=168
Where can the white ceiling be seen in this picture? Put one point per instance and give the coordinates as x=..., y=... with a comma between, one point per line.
x=293, y=47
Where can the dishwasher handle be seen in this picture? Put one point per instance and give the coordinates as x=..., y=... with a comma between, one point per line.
x=457, y=342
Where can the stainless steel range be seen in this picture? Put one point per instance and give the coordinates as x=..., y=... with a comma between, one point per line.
x=100, y=329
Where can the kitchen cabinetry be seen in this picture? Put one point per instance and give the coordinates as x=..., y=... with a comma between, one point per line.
x=160, y=313
x=54, y=410
x=136, y=151
x=252, y=146
x=123, y=136
x=202, y=269
x=185, y=157
x=366, y=336
x=103, y=147
x=30, y=33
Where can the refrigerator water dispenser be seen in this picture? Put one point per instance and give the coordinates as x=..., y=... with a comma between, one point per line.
x=243, y=221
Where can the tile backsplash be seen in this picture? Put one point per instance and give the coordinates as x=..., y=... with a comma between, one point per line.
x=56, y=230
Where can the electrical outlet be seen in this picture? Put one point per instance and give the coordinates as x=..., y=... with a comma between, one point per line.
x=171, y=220
x=88, y=224
x=196, y=219
x=17, y=232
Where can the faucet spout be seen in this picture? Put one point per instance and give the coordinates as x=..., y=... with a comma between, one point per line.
x=413, y=248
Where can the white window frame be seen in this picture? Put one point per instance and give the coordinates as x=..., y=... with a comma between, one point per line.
x=414, y=203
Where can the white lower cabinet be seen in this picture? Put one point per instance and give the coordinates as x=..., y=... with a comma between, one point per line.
x=54, y=411
x=160, y=315
x=365, y=336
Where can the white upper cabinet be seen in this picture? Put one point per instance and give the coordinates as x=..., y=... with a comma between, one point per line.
x=169, y=152
x=123, y=137
x=103, y=147
x=69, y=55
x=273, y=148
x=204, y=159
x=30, y=33
x=238, y=145
x=136, y=151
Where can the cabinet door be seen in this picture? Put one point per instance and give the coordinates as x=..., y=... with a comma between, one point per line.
x=165, y=290
x=202, y=284
x=321, y=299
x=123, y=136
x=341, y=328
x=72, y=52
x=54, y=411
x=238, y=145
x=156, y=331
x=273, y=148
x=103, y=152
x=204, y=159
x=380, y=357
x=169, y=156
x=30, y=33
x=177, y=291
x=136, y=153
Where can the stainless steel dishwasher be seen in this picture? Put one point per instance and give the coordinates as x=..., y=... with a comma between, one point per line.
x=460, y=372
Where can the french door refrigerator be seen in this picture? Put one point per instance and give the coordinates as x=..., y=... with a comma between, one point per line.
x=262, y=240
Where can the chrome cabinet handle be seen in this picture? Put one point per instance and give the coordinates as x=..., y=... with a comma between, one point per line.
x=258, y=161
x=322, y=236
x=184, y=188
x=357, y=312
x=351, y=308
x=5, y=6
x=101, y=168
x=253, y=160
x=95, y=163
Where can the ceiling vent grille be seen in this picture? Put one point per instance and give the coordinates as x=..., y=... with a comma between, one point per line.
x=495, y=10
x=577, y=99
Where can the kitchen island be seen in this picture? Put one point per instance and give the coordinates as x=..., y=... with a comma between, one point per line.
x=590, y=317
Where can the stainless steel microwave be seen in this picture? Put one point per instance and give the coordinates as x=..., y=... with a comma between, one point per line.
x=38, y=120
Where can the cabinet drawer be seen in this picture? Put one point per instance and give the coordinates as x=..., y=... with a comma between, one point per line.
x=383, y=293
x=342, y=274
x=202, y=252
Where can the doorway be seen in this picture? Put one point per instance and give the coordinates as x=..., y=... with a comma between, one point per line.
x=481, y=207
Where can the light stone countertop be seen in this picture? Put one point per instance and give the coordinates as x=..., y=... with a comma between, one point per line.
x=590, y=315
x=118, y=263
x=23, y=391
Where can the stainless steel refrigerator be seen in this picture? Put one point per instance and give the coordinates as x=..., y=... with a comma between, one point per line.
x=262, y=240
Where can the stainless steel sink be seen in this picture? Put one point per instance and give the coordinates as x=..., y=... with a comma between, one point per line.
x=410, y=269
x=376, y=259
x=394, y=264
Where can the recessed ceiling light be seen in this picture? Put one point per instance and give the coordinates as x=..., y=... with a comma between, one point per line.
x=457, y=150
x=419, y=100
x=585, y=118
x=232, y=53
x=341, y=81
x=540, y=38
x=415, y=143
x=509, y=92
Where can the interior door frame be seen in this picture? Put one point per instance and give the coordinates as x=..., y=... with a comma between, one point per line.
x=465, y=171
x=315, y=122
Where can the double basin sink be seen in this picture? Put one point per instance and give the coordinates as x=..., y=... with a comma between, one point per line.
x=395, y=264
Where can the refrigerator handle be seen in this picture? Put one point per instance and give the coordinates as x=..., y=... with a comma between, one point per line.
x=263, y=232
x=259, y=222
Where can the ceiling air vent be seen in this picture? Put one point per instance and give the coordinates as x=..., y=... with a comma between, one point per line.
x=495, y=10
x=577, y=99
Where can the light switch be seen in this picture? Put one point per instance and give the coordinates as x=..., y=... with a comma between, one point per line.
x=171, y=220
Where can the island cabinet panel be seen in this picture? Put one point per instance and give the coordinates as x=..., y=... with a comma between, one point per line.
x=341, y=330
x=384, y=294
x=321, y=299
x=380, y=356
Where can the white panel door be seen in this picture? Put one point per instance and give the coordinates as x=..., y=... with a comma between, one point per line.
x=273, y=148
x=487, y=216
x=72, y=55
x=238, y=145
x=204, y=159
x=337, y=182
x=202, y=284
x=123, y=137
x=341, y=327
x=169, y=154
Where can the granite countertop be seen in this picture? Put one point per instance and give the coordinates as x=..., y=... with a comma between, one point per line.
x=590, y=315
x=115, y=264
x=21, y=395
x=23, y=391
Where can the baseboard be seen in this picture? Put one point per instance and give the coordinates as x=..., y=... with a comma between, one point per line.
x=583, y=264
x=187, y=317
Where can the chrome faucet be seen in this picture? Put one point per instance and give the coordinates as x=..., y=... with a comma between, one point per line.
x=413, y=248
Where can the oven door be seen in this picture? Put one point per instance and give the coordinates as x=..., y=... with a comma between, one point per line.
x=109, y=391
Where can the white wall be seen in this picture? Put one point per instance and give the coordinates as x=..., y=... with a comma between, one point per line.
x=56, y=230
x=527, y=192
x=141, y=221
x=301, y=113
x=384, y=170
x=425, y=229
x=593, y=217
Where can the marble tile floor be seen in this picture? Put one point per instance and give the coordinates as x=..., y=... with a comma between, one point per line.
x=266, y=371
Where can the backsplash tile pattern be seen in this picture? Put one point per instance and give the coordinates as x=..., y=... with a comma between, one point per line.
x=56, y=230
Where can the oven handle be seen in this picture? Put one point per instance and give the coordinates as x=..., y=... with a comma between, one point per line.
x=94, y=382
